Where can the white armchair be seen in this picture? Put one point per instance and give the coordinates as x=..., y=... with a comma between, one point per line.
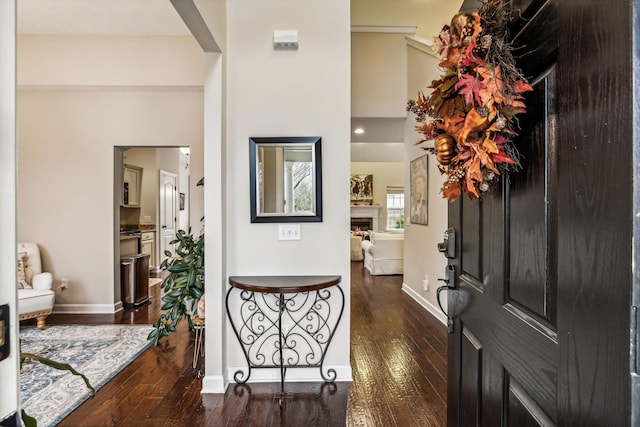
x=384, y=253
x=35, y=293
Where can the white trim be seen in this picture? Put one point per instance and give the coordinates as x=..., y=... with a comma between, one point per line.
x=397, y=29
x=297, y=375
x=107, y=88
x=422, y=44
x=118, y=306
x=9, y=367
x=87, y=308
x=435, y=311
x=213, y=384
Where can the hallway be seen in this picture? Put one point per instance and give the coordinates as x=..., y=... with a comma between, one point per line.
x=398, y=356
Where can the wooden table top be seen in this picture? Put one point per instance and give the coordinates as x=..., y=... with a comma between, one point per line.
x=283, y=284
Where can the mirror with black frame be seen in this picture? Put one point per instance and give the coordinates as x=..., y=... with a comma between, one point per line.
x=286, y=179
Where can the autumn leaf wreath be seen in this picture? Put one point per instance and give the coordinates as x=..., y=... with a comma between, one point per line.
x=471, y=112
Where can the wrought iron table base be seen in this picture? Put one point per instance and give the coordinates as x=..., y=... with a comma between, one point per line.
x=285, y=330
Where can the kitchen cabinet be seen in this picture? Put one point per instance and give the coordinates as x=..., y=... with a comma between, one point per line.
x=148, y=246
x=129, y=245
x=131, y=185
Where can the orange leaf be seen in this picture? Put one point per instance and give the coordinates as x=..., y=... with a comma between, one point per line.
x=473, y=173
x=490, y=145
x=451, y=191
x=470, y=188
x=451, y=125
x=485, y=159
x=515, y=103
x=522, y=86
x=474, y=122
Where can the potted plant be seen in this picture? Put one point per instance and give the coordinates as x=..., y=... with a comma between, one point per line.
x=184, y=286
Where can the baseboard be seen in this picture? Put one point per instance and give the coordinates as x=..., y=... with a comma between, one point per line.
x=297, y=375
x=435, y=311
x=213, y=384
x=87, y=308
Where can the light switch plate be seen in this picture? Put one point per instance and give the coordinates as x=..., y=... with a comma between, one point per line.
x=288, y=231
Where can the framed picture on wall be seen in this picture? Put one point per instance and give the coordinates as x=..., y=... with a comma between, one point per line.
x=361, y=189
x=418, y=188
x=181, y=201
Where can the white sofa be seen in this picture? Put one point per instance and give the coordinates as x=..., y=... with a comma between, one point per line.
x=35, y=293
x=384, y=253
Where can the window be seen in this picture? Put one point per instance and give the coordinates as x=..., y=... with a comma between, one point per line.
x=395, y=208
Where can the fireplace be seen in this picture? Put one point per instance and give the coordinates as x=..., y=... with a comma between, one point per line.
x=361, y=224
x=365, y=217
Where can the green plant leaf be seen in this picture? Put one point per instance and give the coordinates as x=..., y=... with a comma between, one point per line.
x=184, y=283
x=28, y=420
x=57, y=365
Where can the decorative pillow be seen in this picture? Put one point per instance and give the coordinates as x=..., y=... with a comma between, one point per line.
x=23, y=283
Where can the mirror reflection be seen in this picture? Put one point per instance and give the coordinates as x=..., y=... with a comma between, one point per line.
x=285, y=179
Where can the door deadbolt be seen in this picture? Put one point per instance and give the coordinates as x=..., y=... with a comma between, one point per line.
x=448, y=245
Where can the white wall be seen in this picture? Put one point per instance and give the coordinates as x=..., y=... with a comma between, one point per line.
x=384, y=174
x=8, y=290
x=109, y=61
x=303, y=92
x=421, y=257
x=378, y=75
x=377, y=151
x=66, y=137
x=428, y=15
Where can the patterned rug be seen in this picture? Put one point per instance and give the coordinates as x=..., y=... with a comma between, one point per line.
x=97, y=351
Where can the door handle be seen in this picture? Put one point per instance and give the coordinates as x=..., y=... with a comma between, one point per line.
x=449, y=280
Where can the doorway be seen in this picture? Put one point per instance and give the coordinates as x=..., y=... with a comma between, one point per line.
x=152, y=202
x=168, y=216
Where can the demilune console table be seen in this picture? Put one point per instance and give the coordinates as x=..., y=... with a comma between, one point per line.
x=285, y=321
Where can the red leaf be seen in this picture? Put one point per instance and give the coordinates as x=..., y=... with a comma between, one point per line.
x=501, y=158
x=470, y=87
x=470, y=59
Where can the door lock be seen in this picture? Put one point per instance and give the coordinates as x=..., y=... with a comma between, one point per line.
x=448, y=245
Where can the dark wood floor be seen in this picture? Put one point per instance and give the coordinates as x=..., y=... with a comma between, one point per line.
x=398, y=356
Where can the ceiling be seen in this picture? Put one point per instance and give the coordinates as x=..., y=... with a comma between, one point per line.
x=378, y=129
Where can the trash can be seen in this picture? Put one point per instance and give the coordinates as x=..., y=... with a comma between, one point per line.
x=134, y=280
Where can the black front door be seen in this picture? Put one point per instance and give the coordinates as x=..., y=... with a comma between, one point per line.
x=543, y=264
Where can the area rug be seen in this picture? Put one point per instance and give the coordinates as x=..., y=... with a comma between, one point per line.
x=97, y=351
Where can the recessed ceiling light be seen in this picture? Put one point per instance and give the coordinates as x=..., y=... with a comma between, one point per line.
x=358, y=131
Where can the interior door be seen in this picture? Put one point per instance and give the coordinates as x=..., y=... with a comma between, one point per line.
x=168, y=211
x=540, y=303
